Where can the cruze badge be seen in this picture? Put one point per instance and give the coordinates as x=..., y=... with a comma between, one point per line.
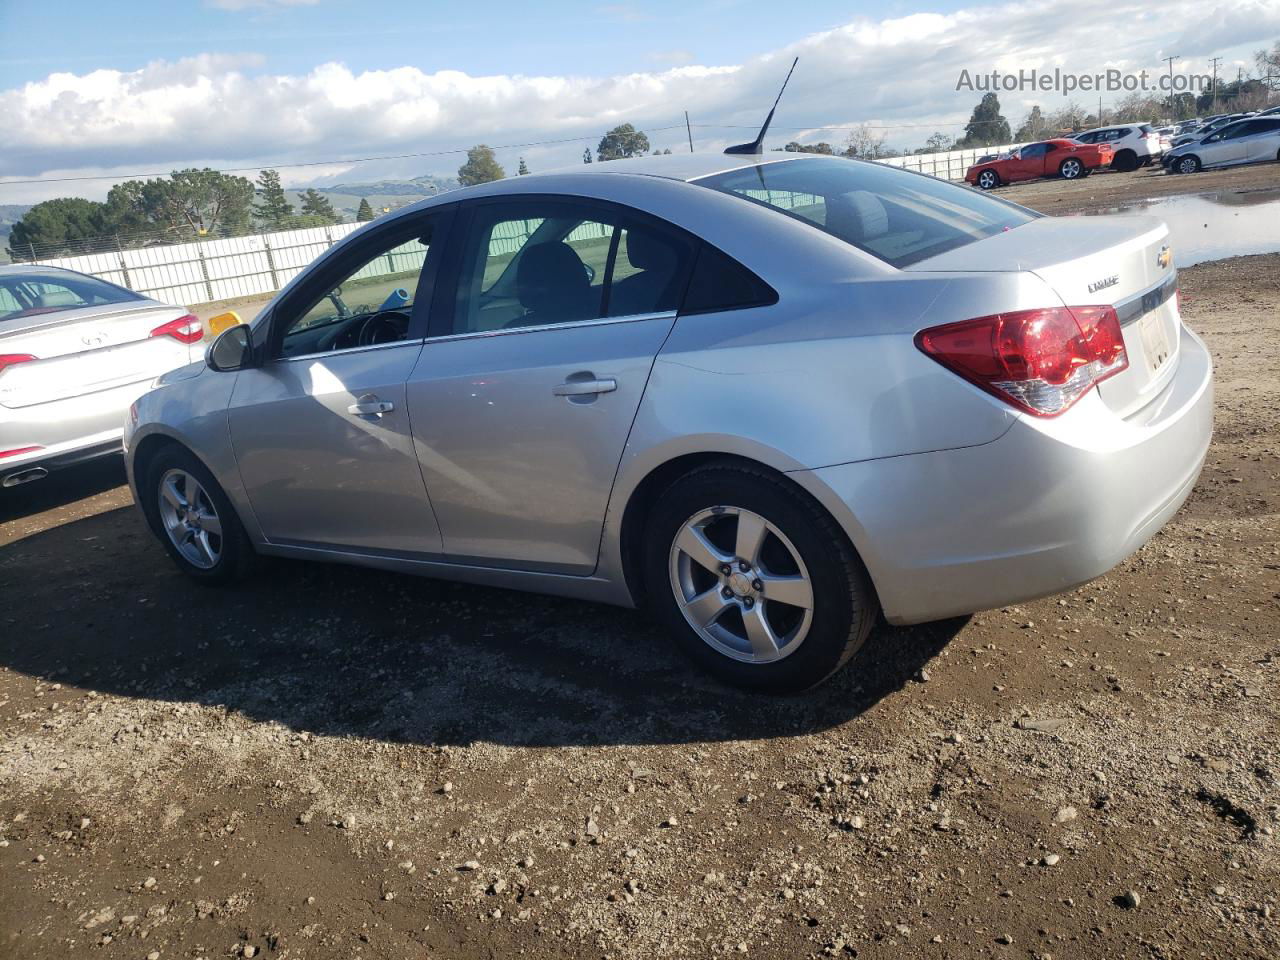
x=1102, y=284
x=1164, y=257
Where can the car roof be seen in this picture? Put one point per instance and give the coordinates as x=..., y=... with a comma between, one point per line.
x=679, y=166
x=34, y=271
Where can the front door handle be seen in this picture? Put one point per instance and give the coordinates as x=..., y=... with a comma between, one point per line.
x=582, y=388
x=370, y=406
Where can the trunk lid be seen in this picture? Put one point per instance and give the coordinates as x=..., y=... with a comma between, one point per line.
x=86, y=350
x=1120, y=261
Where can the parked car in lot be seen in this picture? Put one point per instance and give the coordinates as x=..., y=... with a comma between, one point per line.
x=1252, y=140
x=1060, y=157
x=75, y=351
x=1203, y=130
x=1134, y=144
x=762, y=396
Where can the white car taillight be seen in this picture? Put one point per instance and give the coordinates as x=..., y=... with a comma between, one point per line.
x=186, y=329
x=1041, y=361
x=9, y=359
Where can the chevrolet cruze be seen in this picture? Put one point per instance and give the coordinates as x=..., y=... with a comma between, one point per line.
x=765, y=397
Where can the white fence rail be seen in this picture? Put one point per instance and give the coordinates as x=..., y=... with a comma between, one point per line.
x=204, y=271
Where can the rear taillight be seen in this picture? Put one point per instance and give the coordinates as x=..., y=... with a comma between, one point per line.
x=186, y=329
x=1040, y=361
x=9, y=359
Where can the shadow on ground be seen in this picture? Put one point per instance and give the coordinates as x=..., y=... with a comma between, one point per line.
x=61, y=487
x=344, y=651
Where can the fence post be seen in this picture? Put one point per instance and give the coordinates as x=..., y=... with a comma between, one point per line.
x=124, y=267
x=271, y=261
x=33, y=251
x=204, y=270
x=328, y=234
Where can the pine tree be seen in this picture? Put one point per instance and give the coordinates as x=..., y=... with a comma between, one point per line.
x=317, y=208
x=273, y=208
x=523, y=168
x=364, y=211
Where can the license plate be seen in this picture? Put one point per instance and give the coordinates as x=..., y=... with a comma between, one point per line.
x=1155, y=341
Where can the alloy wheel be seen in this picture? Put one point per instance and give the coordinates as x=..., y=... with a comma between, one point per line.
x=190, y=519
x=986, y=180
x=741, y=584
x=1071, y=169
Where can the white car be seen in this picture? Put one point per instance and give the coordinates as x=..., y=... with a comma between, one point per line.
x=1135, y=144
x=75, y=351
x=1252, y=140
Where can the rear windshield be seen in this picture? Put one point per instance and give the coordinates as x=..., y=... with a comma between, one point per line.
x=894, y=215
x=36, y=293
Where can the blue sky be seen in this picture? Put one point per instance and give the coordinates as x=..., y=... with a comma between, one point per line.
x=145, y=86
x=502, y=37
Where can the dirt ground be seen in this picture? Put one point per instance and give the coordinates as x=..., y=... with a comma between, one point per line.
x=344, y=763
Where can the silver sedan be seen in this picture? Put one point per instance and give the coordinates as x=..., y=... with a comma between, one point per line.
x=75, y=351
x=765, y=397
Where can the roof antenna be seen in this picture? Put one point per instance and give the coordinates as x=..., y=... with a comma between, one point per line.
x=756, y=146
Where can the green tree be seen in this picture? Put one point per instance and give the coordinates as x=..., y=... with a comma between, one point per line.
x=202, y=201
x=938, y=143
x=824, y=148
x=316, y=207
x=364, y=211
x=986, y=126
x=586, y=154
x=523, y=168
x=481, y=167
x=1033, y=128
x=622, y=141
x=59, y=221
x=273, y=208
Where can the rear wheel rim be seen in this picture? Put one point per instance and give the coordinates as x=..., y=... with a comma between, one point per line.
x=1071, y=169
x=190, y=519
x=741, y=584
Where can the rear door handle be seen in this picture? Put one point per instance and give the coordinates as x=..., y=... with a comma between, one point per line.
x=582, y=388
x=370, y=406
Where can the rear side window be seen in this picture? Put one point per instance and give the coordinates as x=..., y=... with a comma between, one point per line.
x=721, y=283
x=897, y=216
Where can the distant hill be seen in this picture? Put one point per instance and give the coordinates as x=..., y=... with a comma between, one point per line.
x=393, y=194
x=10, y=213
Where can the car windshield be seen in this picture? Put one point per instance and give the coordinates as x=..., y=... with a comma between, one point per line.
x=26, y=295
x=894, y=215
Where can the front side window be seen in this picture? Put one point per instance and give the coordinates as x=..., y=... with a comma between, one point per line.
x=362, y=302
x=1035, y=150
x=896, y=216
x=27, y=296
x=529, y=263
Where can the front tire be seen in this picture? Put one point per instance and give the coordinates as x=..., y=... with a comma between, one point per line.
x=193, y=519
x=1125, y=161
x=1188, y=164
x=754, y=580
x=1071, y=169
x=988, y=180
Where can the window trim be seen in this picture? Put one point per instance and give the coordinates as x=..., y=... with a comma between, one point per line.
x=344, y=256
x=442, y=317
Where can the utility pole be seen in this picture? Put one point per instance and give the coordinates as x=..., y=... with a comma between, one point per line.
x=1170, y=60
x=1215, y=61
x=689, y=130
x=1100, y=120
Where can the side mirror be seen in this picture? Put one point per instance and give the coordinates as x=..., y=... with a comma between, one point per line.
x=223, y=321
x=232, y=350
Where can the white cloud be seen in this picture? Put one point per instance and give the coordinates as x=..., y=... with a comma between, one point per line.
x=900, y=71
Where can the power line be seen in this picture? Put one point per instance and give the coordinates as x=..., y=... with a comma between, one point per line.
x=321, y=163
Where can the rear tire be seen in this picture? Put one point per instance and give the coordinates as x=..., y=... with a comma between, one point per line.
x=193, y=518
x=1071, y=169
x=740, y=551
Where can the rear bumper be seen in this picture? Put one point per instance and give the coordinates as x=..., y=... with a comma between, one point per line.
x=1047, y=506
x=66, y=431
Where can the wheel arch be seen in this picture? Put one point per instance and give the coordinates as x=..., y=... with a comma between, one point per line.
x=644, y=496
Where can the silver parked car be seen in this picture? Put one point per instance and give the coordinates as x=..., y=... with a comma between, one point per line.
x=1252, y=140
x=75, y=351
x=763, y=396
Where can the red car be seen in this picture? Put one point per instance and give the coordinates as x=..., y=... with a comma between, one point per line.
x=1049, y=158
